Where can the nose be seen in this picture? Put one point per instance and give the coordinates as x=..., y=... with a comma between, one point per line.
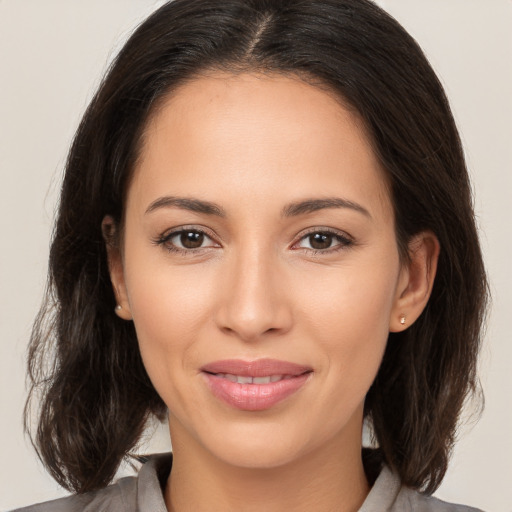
x=254, y=301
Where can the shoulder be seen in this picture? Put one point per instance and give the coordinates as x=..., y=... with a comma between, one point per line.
x=129, y=494
x=409, y=499
x=388, y=494
x=118, y=496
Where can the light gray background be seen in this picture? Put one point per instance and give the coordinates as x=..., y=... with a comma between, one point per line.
x=52, y=55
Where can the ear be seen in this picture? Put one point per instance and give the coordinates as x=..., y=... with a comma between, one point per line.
x=415, y=281
x=115, y=267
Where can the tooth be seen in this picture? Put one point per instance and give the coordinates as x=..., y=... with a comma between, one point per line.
x=252, y=380
x=261, y=380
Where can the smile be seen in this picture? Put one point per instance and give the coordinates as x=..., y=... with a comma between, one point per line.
x=256, y=385
x=242, y=379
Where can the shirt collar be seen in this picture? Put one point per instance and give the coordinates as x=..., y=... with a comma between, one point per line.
x=154, y=473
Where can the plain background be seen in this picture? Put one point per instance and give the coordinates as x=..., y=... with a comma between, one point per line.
x=52, y=55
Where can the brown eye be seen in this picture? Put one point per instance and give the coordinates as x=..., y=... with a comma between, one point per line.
x=186, y=240
x=191, y=239
x=320, y=240
x=324, y=241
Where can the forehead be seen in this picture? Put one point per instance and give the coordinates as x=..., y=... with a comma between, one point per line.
x=255, y=131
x=247, y=100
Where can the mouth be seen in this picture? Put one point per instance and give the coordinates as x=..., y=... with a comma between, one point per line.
x=243, y=379
x=256, y=368
x=254, y=385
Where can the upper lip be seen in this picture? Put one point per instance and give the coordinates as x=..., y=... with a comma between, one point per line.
x=256, y=368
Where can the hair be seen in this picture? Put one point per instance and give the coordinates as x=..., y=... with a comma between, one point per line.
x=84, y=362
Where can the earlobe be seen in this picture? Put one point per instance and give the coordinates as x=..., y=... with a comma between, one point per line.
x=416, y=281
x=115, y=266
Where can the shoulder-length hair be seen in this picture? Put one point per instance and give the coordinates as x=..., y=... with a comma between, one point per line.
x=84, y=361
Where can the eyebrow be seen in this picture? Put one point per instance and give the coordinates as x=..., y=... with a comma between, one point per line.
x=313, y=205
x=186, y=203
x=290, y=210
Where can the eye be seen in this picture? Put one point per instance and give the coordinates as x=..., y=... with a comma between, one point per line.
x=185, y=240
x=324, y=241
x=188, y=239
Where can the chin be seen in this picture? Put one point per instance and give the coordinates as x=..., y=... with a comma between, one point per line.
x=265, y=455
x=255, y=445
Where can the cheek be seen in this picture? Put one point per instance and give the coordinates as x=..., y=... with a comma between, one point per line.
x=348, y=317
x=350, y=300
x=169, y=307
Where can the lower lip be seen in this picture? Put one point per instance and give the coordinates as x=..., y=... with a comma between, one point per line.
x=254, y=397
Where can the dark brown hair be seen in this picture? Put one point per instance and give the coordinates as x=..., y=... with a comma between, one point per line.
x=84, y=362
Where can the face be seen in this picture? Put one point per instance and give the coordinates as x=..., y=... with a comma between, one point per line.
x=259, y=243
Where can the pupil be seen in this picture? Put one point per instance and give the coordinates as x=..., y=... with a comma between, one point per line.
x=320, y=241
x=191, y=239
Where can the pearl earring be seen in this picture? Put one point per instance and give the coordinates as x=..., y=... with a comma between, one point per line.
x=119, y=307
x=402, y=319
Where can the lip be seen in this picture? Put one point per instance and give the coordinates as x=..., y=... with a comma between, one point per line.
x=257, y=368
x=254, y=397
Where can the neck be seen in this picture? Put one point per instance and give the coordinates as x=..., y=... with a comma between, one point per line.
x=331, y=478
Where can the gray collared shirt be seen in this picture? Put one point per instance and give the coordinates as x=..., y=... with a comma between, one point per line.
x=144, y=493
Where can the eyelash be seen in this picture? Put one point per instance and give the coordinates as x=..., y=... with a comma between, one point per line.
x=343, y=241
x=164, y=240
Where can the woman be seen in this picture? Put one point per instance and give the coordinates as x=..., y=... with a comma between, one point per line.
x=274, y=243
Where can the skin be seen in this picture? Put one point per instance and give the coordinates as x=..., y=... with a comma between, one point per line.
x=253, y=144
